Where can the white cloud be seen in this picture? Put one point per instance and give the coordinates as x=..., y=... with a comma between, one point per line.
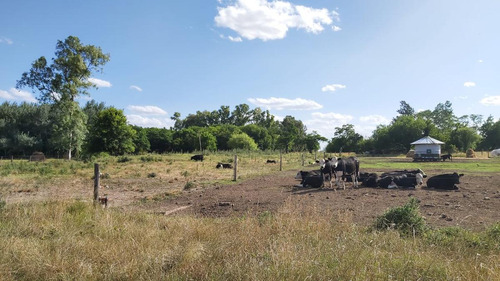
x=469, y=84
x=284, y=103
x=235, y=39
x=99, y=82
x=325, y=123
x=17, y=95
x=333, y=87
x=261, y=19
x=149, y=110
x=146, y=122
x=479, y=61
x=375, y=119
x=491, y=100
x=6, y=41
x=336, y=28
x=137, y=88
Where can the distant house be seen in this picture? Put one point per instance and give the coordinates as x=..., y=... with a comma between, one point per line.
x=427, y=149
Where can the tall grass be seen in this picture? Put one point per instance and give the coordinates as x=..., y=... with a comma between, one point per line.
x=74, y=240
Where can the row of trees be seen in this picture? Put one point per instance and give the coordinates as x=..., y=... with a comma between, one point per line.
x=26, y=128
x=458, y=133
x=59, y=126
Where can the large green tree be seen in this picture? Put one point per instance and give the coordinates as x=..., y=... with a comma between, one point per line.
x=345, y=139
x=63, y=80
x=111, y=133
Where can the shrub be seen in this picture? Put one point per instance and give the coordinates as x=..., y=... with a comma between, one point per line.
x=123, y=159
x=405, y=219
x=152, y=175
x=189, y=185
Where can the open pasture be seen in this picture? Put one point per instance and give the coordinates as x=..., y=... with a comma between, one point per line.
x=166, y=183
x=257, y=228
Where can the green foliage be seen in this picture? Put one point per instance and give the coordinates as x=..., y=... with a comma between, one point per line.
x=345, y=139
x=405, y=219
x=111, y=133
x=242, y=141
x=61, y=83
x=123, y=159
x=464, y=138
x=189, y=185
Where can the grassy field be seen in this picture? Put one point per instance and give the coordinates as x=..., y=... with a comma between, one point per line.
x=72, y=240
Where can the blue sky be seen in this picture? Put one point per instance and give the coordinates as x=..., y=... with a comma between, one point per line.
x=326, y=63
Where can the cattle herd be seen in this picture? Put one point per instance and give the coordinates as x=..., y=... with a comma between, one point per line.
x=347, y=170
x=344, y=170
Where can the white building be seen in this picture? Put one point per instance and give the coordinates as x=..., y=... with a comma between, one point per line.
x=427, y=149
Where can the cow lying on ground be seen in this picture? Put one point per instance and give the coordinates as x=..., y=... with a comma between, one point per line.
x=224, y=165
x=446, y=156
x=444, y=181
x=310, y=178
x=271, y=161
x=368, y=179
x=197, y=157
x=403, y=181
x=403, y=172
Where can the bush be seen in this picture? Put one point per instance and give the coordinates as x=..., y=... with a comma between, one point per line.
x=124, y=159
x=405, y=219
x=189, y=185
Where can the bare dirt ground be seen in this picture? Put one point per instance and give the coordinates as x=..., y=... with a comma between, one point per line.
x=475, y=205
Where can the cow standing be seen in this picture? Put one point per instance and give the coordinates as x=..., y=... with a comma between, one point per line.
x=348, y=167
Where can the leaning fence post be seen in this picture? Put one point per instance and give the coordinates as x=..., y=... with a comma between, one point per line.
x=235, y=171
x=97, y=179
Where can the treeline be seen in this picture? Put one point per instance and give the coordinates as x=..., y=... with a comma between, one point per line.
x=459, y=133
x=26, y=128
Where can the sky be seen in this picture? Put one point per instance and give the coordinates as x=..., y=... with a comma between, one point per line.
x=325, y=62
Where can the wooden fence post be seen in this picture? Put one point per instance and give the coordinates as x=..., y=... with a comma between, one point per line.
x=281, y=162
x=302, y=159
x=97, y=179
x=235, y=172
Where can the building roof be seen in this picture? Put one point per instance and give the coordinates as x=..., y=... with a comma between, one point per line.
x=427, y=140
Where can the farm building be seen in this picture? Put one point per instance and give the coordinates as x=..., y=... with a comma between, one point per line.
x=427, y=149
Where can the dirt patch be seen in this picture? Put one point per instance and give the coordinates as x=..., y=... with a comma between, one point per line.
x=475, y=205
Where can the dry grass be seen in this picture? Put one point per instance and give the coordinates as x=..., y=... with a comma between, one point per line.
x=74, y=241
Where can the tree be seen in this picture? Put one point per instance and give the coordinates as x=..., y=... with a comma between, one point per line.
x=464, y=138
x=491, y=134
x=68, y=127
x=291, y=132
x=443, y=116
x=345, y=139
x=312, y=141
x=242, y=141
x=66, y=78
x=111, y=133
x=405, y=109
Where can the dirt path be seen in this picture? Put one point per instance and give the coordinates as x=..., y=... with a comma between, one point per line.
x=475, y=205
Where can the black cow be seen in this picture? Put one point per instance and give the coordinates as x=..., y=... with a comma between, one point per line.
x=310, y=178
x=444, y=181
x=446, y=156
x=271, y=161
x=368, y=179
x=224, y=165
x=197, y=157
x=348, y=167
